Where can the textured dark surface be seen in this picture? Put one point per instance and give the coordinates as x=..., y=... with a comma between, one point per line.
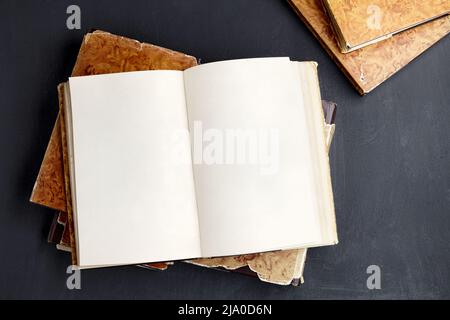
x=390, y=158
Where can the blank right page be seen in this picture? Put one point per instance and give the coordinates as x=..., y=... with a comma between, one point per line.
x=253, y=169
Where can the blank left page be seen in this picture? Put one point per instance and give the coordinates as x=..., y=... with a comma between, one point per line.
x=131, y=171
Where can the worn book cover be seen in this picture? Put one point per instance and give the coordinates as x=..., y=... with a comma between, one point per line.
x=365, y=22
x=370, y=66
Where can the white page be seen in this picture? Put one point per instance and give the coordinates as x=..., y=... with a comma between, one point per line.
x=135, y=202
x=244, y=208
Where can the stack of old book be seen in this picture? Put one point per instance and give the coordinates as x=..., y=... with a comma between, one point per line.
x=117, y=205
x=370, y=40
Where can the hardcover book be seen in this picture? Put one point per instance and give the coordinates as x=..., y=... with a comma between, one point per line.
x=370, y=66
x=102, y=52
x=133, y=186
x=364, y=22
x=280, y=267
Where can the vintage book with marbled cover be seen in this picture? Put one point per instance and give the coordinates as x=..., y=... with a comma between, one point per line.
x=368, y=67
x=106, y=60
x=276, y=267
x=364, y=22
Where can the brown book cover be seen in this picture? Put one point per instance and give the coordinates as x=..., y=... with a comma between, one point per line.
x=48, y=189
x=368, y=67
x=55, y=233
x=364, y=22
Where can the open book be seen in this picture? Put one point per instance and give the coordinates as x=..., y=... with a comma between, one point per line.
x=222, y=159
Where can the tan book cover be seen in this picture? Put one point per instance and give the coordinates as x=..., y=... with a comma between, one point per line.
x=368, y=67
x=365, y=22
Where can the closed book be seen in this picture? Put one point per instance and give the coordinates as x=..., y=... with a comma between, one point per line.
x=370, y=66
x=364, y=22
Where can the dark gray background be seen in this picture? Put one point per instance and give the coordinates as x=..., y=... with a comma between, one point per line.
x=390, y=159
